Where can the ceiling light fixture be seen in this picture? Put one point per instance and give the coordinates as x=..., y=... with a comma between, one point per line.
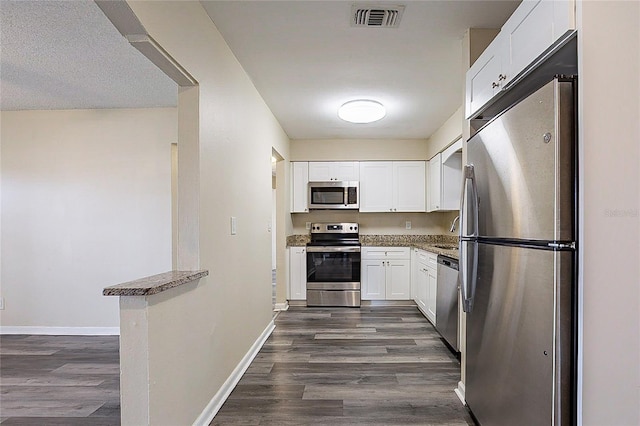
x=362, y=111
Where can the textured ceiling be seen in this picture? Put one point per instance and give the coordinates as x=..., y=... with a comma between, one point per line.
x=306, y=60
x=303, y=56
x=68, y=55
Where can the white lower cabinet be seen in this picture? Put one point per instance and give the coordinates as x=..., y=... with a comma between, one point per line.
x=373, y=279
x=386, y=273
x=425, y=285
x=398, y=280
x=297, y=274
x=432, y=288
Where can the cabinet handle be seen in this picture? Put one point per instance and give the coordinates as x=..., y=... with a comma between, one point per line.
x=502, y=77
x=494, y=85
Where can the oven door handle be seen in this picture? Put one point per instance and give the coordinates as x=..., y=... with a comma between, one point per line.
x=333, y=249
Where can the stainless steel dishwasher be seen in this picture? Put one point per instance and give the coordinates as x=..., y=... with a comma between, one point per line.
x=447, y=300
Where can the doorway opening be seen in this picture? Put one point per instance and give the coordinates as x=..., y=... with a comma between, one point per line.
x=277, y=198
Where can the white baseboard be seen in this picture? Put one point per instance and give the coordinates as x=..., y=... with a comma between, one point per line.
x=62, y=331
x=460, y=392
x=227, y=387
x=281, y=306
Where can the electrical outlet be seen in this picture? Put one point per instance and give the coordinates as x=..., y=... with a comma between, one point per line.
x=1, y=303
x=407, y=224
x=308, y=225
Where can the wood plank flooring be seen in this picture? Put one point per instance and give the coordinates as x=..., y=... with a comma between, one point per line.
x=321, y=366
x=345, y=366
x=59, y=380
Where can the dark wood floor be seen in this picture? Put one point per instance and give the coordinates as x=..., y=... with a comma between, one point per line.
x=59, y=380
x=368, y=366
x=337, y=366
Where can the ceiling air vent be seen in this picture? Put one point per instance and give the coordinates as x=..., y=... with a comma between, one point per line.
x=376, y=16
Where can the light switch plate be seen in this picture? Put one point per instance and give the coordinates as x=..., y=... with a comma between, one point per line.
x=308, y=225
x=234, y=225
x=1, y=303
x=407, y=224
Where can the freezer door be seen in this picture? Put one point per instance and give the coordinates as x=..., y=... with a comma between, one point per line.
x=524, y=164
x=519, y=347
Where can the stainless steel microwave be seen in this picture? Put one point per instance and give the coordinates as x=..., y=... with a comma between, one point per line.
x=334, y=195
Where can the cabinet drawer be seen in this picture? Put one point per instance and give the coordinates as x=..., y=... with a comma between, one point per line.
x=385, y=253
x=421, y=256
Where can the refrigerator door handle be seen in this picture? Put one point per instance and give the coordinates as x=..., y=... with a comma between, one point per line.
x=468, y=273
x=469, y=176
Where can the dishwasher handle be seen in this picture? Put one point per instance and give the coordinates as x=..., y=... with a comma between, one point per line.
x=448, y=262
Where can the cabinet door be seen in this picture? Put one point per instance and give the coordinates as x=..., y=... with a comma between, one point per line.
x=422, y=287
x=435, y=188
x=528, y=33
x=431, y=294
x=347, y=170
x=483, y=79
x=321, y=171
x=398, y=280
x=297, y=273
x=414, y=275
x=376, y=186
x=299, y=186
x=409, y=186
x=373, y=280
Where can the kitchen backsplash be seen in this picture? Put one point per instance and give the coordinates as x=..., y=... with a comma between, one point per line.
x=380, y=223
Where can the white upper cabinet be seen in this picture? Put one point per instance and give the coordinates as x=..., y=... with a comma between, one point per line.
x=299, y=186
x=435, y=180
x=532, y=29
x=485, y=78
x=535, y=28
x=392, y=186
x=409, y=192
x=445, y=179
x=322, y=171
x=376, y=189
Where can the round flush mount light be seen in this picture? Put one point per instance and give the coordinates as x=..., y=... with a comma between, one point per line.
x=362, y=111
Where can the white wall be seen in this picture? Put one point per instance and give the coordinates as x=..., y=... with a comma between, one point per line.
x=358, y=149
x=449, y=132
x=609, y=108
x=231, y=307
x=86, y=203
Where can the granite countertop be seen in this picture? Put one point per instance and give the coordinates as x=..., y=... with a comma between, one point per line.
x=429, y=243
x=154, y=284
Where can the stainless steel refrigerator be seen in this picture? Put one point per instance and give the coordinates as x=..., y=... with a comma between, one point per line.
x=517, y=261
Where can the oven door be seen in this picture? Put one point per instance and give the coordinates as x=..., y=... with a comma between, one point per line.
x=333, y=264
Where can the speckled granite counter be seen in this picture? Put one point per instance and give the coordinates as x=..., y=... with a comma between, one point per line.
x=154, y=284
x=423, y=242
x=298, y=240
